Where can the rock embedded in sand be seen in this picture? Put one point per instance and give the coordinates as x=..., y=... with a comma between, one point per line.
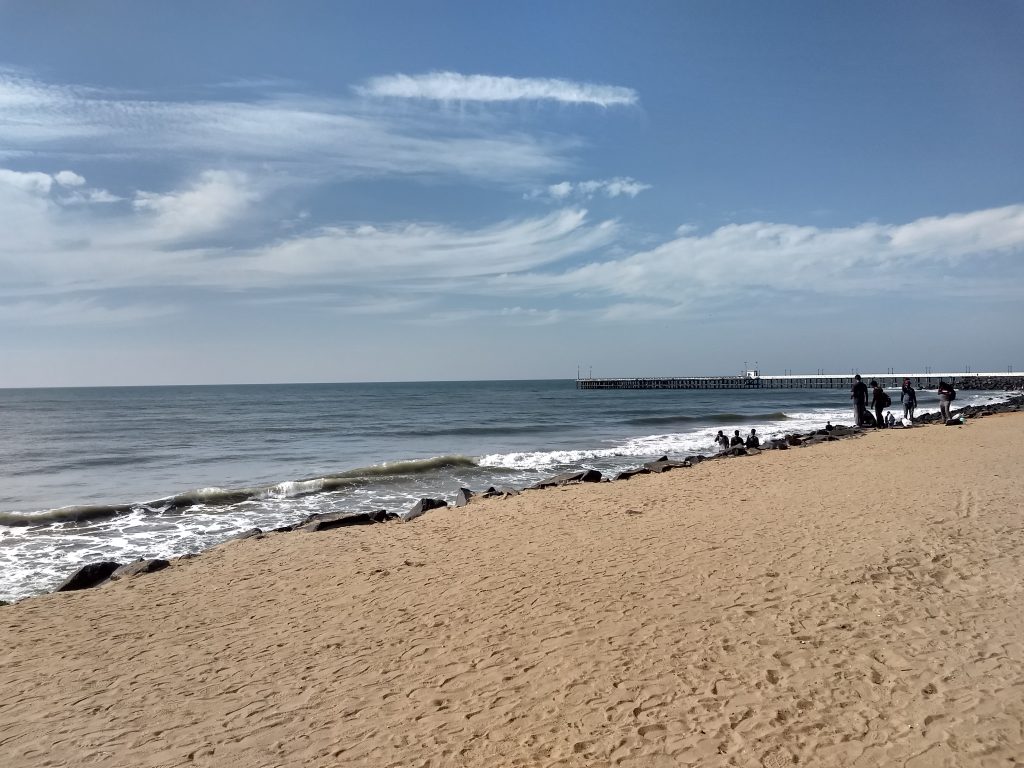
x=88, y=576
x=420, y=507
x=246, y=534
x=326, y=522
x=568, y=478
x=139, y=567
x=664, y=464
x=628, y=473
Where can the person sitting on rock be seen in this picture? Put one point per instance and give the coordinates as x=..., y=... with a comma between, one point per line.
x=828, y=426
x=736, y=439
x=722, y=440
x=753, y=441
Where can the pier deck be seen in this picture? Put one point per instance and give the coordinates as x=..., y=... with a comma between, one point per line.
x=927, y=380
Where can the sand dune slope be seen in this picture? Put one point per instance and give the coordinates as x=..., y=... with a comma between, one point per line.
x=854, y=604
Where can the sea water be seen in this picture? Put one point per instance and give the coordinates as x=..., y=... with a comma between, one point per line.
x=125, y=472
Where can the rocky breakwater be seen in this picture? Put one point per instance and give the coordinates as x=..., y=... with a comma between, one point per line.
x=1002, y=384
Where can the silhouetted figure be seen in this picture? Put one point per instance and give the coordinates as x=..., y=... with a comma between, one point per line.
x=909, y=399
x=946, y=395
x=859, y=395
x=753, y=441
x=722, y=440
x=879, y=401
x=736, y=439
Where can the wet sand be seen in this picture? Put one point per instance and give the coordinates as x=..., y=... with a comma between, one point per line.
x=857, y=603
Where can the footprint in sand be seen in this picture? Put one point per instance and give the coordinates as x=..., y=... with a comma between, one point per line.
x=777, y=758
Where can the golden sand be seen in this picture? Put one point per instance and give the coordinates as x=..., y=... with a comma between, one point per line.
x=859, y=603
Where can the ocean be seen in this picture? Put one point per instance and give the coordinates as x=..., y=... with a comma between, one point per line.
x=126, y=472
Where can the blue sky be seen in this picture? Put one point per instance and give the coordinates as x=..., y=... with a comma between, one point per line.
x=208, y=192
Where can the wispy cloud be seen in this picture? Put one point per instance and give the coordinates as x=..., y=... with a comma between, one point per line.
x=175, y=239
x=214, y=200
x=453, y=86
x=75, y=312
x=331, y=137
x=585, y=190
x=764, y=258
x=542, y=269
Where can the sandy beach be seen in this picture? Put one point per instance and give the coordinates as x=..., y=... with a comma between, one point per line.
x=853, y=604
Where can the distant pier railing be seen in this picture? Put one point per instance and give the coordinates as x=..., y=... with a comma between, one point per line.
x=927, y=380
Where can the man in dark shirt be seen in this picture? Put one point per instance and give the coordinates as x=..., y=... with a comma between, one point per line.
x=736, y=439
x=909, y=399
x=859, y=395
x=879, y=400
x=753, y=441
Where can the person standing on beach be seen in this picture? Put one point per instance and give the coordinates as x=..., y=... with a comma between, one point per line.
x=879, y=401
x=946, y=395
x=909, y=399
x=859, y=395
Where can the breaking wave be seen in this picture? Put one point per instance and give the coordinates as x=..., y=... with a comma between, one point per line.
x=215, y=496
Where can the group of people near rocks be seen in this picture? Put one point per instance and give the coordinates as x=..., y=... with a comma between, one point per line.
x=725, y=442
x=880, y=400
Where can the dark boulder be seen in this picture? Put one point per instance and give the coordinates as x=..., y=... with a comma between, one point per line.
x=778, y=444
x=664, y=464
x=420, y=507
x=954, y=423
x=696, y=458
x=326, y=522
x=463, y=497
x=88, y=576
x=753, y=451
x=246, y=534
x=139, y=567
x=736, y=450
x=628, y=473
x=794, y=440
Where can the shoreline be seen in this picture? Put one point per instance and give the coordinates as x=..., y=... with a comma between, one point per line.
x=853, y=605
x=97, y=572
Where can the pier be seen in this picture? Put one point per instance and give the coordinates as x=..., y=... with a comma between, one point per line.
x=753, y=380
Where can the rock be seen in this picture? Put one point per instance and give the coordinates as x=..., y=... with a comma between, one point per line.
x=245, y=534
x=420, y=507
x=778, y=444
x=3, y=603
x=628, y=473
x=954, y=423
x=186, y=556
x=695, y=459
x=794, y=440
x=463, y=496
x=88, y=576
x=736, y=450
x=139, y=567
x=664, y=465
x=583, y=476
x=753, y=451
x=326, y=522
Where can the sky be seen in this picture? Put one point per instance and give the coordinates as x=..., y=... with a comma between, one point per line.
x=256, y=192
